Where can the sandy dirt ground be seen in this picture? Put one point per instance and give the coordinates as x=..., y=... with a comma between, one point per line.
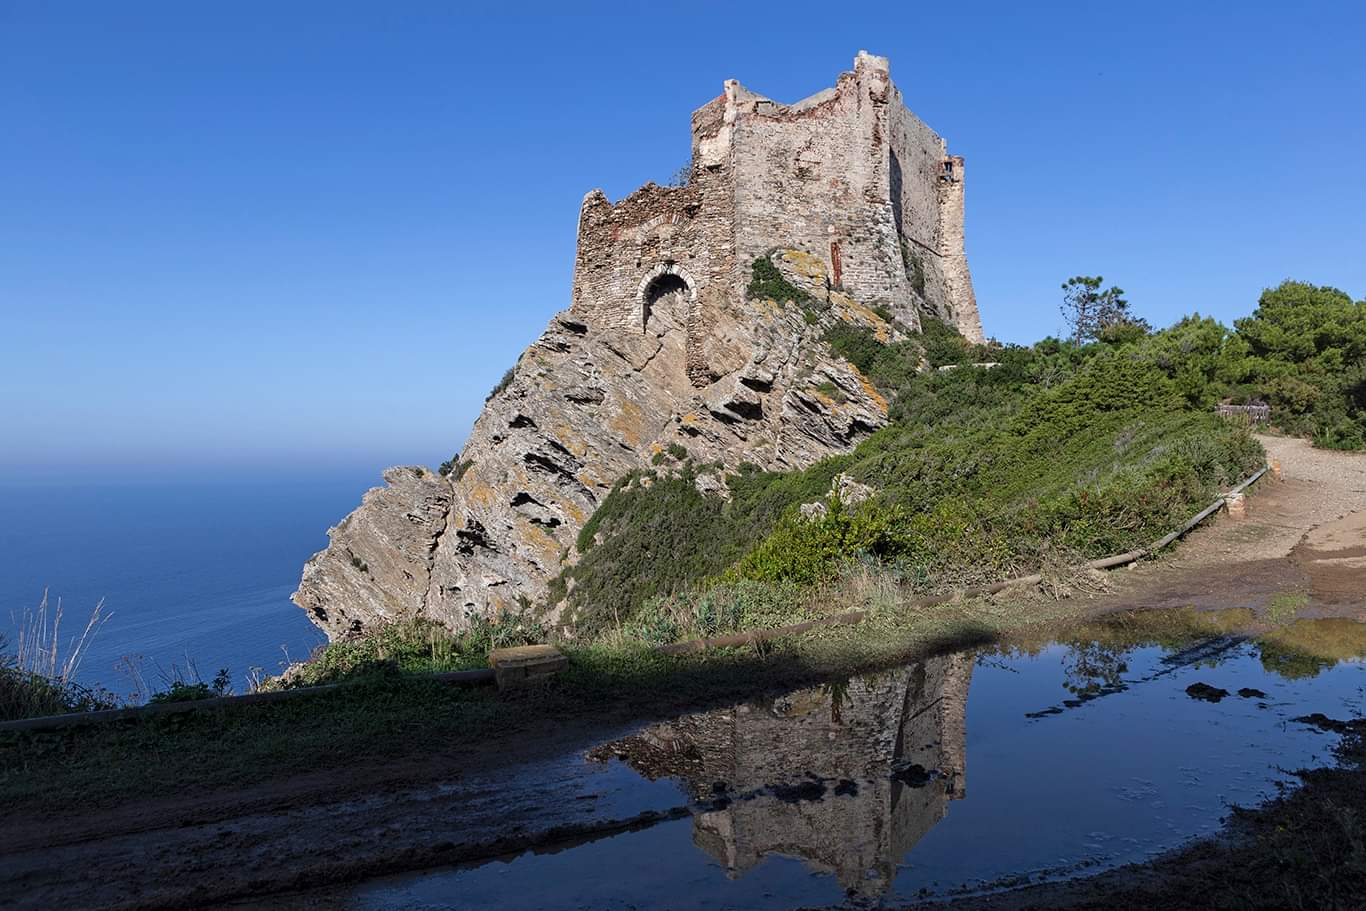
x=1303, y=535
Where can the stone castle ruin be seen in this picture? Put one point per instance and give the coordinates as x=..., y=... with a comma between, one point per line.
x=848, y=196
x=849, y=176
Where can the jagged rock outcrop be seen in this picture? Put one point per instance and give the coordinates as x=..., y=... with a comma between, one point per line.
x=585, y=406
x=665, y=345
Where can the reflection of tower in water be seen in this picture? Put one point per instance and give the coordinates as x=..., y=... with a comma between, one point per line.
x=847, y=777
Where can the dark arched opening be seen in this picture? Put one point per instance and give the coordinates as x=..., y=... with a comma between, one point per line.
x=661, y=285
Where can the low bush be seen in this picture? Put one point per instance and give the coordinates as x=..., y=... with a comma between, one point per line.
x=503, y=384
x=192, y=691
x=766, y=282
x=28, y=695
x=656, y=532
x=412, y=647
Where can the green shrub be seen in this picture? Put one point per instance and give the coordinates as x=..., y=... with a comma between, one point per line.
x=943, y=344
x=192, y=691
x=24, y=694
x=1339, y=432
x=856, y=344
x=455, y=469
x=654, y=623
x=766, y=282
x=890, y=367
x=503, y=384
x=416, y=646
x=831, y=391
x=655, y=538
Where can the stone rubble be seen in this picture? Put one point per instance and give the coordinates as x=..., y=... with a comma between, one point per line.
x=843, y=490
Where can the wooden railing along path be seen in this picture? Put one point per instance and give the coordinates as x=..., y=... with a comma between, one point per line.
x=1252, y=414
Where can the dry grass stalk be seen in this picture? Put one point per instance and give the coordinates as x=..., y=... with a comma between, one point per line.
x=39, y=646
x=1066, y=575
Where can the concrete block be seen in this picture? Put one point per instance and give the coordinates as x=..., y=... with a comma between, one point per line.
x=514, y=666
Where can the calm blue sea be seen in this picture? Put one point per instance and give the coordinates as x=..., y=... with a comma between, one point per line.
x=200, y=570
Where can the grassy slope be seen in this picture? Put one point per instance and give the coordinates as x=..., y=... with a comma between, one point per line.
x=1058, y=453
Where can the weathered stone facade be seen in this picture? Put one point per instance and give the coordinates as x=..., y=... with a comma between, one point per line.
x=848, y=175
x=850, y=196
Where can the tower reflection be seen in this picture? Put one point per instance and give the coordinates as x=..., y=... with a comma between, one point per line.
x=846, y=776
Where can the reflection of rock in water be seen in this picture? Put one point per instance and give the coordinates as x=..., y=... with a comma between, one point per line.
x=847, y=777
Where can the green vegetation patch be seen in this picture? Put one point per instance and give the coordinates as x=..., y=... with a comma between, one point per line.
x=767, y=283
x=657, y=532
x=412, y=647
x=831, y=391
x=887, y=366
x=1058, y=452
x=24, y=694
x=502, y=384
x=1098, y=464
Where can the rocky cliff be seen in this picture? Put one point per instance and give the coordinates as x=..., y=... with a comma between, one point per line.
x=583, y=407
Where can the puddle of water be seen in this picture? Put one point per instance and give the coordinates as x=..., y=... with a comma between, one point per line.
x=953, y=775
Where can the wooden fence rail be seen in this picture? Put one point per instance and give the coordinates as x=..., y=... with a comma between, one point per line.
x=1253, y=414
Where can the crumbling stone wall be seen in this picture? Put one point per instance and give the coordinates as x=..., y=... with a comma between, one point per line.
x=849, y=175
x=854, y=201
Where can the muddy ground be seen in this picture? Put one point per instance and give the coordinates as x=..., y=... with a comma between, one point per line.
x=1301, y=547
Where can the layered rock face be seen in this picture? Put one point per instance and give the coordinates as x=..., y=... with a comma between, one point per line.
x=585, y=406
x=663, y=346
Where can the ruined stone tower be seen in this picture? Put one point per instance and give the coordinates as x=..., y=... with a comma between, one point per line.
x=852, y=199
x=849, y=175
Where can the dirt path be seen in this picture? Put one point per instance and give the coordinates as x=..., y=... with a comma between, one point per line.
x=1303, y=536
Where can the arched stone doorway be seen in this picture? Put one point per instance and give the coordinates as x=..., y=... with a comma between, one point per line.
x=661, y=287
x=666, y=286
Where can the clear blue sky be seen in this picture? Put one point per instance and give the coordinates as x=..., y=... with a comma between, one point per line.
x=266, y=236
